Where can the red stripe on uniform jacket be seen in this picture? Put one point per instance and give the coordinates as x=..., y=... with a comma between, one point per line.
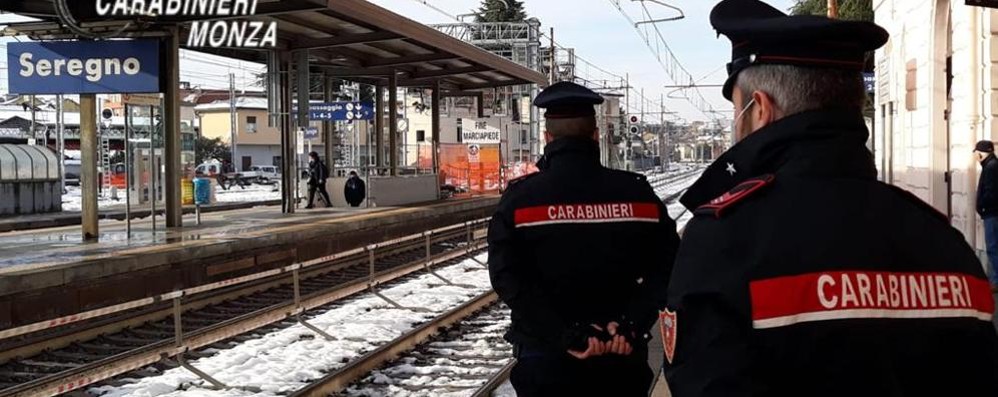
x=586, y=213
x=784, y=301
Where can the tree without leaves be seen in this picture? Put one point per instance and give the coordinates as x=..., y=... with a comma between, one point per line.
x=501, y=11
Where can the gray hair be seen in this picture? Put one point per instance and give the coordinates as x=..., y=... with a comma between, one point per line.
x=798, y=89
x=571, y=127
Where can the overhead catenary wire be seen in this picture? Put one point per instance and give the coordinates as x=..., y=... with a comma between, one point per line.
x=668, y=60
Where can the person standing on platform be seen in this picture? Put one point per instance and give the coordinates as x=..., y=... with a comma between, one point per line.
x=581, y=254
x=801, y=274
x=987, y=203
x=354, y=190
x=317, y=175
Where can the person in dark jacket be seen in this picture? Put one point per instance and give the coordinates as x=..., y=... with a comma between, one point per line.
x=354, y=190
x=579, y=253
x=317, y=175
x=987, y=203
x=801, y=274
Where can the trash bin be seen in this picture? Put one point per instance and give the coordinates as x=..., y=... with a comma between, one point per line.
x=186, y=191
x=202, y=191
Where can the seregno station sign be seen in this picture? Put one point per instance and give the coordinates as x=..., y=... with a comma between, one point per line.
x=83, y=67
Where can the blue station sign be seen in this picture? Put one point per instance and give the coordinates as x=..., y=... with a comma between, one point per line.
x=870, y=82
x=341, y=111
x=311, y=133
x=83, y=67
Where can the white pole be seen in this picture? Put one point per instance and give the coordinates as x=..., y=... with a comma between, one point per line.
x=232, y=120
x=61, y=144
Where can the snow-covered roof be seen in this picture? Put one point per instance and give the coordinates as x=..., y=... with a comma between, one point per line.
x=69, y=118
x=241, y=103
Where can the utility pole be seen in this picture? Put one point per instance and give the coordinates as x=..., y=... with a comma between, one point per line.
x=232, y=120
x=60, y=142
x=553, y=57
x=833, y=9
x=33, y=132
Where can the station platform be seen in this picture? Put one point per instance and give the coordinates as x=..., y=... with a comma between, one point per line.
x=117, y=212
x=51, y=272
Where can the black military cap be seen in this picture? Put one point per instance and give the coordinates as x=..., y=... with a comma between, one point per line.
x=761, y=34
x=985, y=146
x=567, y=100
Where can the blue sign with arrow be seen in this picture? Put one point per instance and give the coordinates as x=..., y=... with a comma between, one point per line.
x=341, y=111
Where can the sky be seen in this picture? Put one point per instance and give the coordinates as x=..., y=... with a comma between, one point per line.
x=601, y=35
x=597, y=31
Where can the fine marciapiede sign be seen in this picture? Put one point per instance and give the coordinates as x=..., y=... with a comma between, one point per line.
x=481, y=133
x=83, y=67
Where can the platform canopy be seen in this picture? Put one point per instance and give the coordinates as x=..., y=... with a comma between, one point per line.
x=349, y=39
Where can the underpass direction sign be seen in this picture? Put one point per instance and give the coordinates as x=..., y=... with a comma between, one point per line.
x=83, y=67
x=341, y=111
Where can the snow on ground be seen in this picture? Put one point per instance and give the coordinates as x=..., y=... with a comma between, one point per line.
x=72, y=201
x=286, y=360
x=251, y=193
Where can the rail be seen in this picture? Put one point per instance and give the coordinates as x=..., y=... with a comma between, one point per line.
x=182, y=342
x=338, y=380
x=138, y=303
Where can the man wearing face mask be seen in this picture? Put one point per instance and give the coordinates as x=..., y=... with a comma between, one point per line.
x=801, y=274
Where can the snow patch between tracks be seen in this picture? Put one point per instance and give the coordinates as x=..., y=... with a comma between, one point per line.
x=286, y=360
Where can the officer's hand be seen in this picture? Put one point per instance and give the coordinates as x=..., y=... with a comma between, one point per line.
x=619, y=343
x=596, y=348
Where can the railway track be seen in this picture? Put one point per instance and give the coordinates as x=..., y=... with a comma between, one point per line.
x=459, y=353
x=660, y=180
x=168, y=332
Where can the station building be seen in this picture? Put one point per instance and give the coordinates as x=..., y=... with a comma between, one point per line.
x=936, y=95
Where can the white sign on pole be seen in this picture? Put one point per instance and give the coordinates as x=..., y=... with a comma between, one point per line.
x=140, y=99
x=480, y=133
x=301, y=141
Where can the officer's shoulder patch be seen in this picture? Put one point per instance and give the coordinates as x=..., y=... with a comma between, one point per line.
x=918, y=202
x=718, y=205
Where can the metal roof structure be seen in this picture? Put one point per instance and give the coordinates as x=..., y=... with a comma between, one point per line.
x=350, y=39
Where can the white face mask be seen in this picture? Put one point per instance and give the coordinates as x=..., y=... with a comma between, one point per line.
x=734, y=124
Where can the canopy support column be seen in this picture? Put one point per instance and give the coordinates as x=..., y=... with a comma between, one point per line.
x=379, y=124
x=171, y=129
x=435, y=126
x=289, y=167
x=393, y=125
x=327, y=128
x=88, y=166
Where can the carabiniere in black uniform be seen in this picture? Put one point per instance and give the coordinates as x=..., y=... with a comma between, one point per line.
x=802, y=275
x=578, y=244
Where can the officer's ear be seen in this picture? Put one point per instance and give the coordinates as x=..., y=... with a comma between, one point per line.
x=765, y=111
x=548, y=137
x=596, y=134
